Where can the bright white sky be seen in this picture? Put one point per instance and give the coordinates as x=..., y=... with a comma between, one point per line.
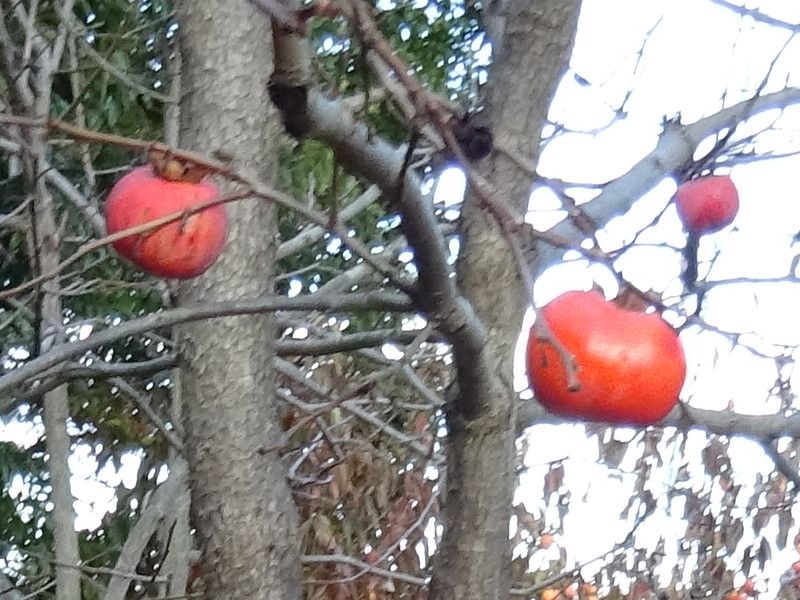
x=697, y=54
x=699, y=58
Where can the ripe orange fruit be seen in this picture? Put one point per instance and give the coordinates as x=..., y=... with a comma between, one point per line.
x=707, y=204
x=546, y=540
x=630, y=366
x=181, y=249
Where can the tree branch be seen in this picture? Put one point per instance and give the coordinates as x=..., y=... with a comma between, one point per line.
x=316, y=559
x=354, y=408
x=674, y=150
x=50, y=380
x=381, y=301
x=366, y=155
x=7, y=589
x=314, y=233
x=334, y=343
x=109, y=239
x=56, y=179
x=758, y=15
x=252, y=184
x=160, y=505
x=144, y=405
x=720, y=422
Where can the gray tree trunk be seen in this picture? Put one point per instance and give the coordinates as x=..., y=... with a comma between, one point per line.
x=533, y=44
x=241, y=503
x=45, y=243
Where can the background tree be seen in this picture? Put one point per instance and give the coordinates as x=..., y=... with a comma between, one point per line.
x=329, y=393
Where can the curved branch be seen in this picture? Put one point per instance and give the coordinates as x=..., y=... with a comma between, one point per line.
x=314, y=233
x=675, y=148
x=333, y=343
x=57, y=179
x=361, y=152
x=762, y=428
x=368, y=301
x=758, y=15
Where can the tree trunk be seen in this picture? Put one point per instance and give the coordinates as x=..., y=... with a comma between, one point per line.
x=241, y=503
x=45, y=255
x=533, y=42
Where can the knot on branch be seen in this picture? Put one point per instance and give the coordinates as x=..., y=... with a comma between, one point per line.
x=292, y=102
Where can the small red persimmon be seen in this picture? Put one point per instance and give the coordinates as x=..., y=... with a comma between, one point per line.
x=546, y=540
x=181, y=249
x=749, y=587
x=707, y=204
x=629, y=366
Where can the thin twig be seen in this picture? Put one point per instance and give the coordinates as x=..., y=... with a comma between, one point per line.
x=382, y=301
x=109, y=239
x=253, y=184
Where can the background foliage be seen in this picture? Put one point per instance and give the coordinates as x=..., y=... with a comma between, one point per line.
x=363, y=427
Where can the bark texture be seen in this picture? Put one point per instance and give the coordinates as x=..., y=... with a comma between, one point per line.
x=533, y=42
x=45, y=241
x=241, y=503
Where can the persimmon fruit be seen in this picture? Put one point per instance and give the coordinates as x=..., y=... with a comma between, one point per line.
x=181, y=249
x=707, y=204
x=588, y=591
x=629, y=366
x=546, y=540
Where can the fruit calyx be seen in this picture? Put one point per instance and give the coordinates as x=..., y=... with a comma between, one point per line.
x=629, y=298
x=168, y=166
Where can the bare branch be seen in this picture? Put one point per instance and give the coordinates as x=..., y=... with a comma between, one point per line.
x=65, y=16
x=109, y=239
x=254, y=186
x=80, y=114
x=160, y=505
x=354, y=408
x=52, y=379
x=758, y=15
x=368, y=156
x=123, y=77
x=674, y=150
x=94, y=570
x=56, y=179
x=757, y=427
x=389, y=550
x=334, y=343
x=316, y=559
x=180, y=555
x=144, y=405
x=7, y=589
x=20, y=83
x=314, y=233
x=347, y=302
x=782, y=464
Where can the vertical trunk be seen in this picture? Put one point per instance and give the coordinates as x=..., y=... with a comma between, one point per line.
x=65, y=540
x=46, y=257
x=533, y=41
x=242, y=506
